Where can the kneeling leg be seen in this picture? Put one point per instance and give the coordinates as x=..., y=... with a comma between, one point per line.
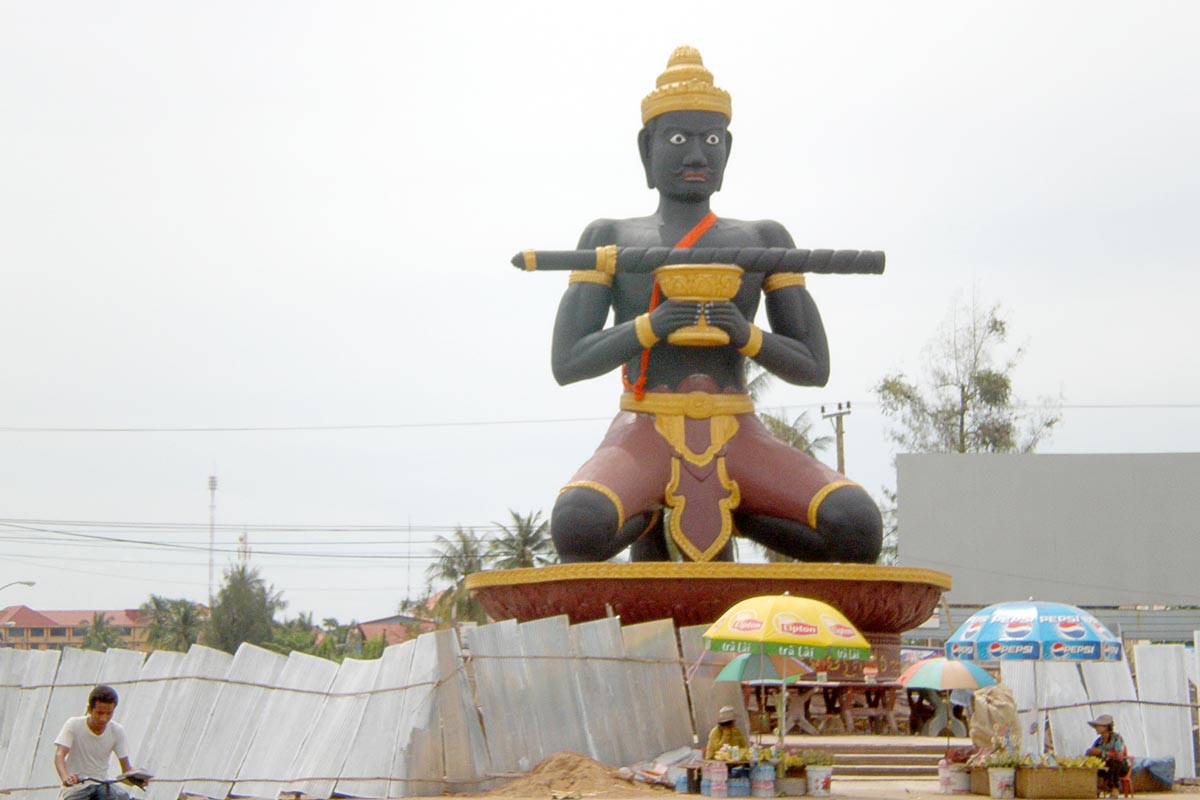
x=849, y=530
x=586, y=526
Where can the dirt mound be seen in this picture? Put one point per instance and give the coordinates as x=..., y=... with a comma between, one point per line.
x=568, y=773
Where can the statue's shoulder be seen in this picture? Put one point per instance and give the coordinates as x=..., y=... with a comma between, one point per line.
x=758, y=232
x=635, y=231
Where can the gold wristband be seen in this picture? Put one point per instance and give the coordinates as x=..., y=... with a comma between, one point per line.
x=754, y=344
x=645, y=331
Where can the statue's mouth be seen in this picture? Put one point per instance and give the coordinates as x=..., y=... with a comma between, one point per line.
x=695, y=177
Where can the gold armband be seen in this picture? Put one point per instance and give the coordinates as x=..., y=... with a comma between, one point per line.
x=589, y=276
x=645, y=331
x=781, y=279
x=750, y=348
x=606, y=259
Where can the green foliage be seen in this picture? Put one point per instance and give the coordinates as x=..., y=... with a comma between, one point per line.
x=100, y=634
x=964, y=401
x=526, y=543
x=244, y=610
x=456, y=557
x=175, y=624
x=299, y=634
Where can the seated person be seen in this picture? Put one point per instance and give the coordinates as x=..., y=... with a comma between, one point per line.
x=724, y=732
x=83, y=746
x=1110, y=747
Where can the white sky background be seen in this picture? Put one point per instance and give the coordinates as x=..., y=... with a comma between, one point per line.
x=280, y=215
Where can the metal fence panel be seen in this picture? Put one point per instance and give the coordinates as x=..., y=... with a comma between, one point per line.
x=506, y=693
x=12, y=669
x=183, y=718
x=1162, y=677
x=416, y=769
x=1064, y=687
x=30, y=712
x=286, y=719
x=1108, y=683
x=365, y=771
x=465, y=756
x=556, y=707
x=615, y=724
x=333, y=729
x=236, y=717
x=706, y=694
x=74, y=680
x=140, y=708
x=658, y=687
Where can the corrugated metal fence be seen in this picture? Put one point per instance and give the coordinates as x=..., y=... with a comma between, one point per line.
x=426, y=718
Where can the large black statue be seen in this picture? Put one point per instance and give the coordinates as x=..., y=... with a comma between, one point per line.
x=687, y=438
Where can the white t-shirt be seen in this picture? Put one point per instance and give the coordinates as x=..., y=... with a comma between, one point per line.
x=89, y=753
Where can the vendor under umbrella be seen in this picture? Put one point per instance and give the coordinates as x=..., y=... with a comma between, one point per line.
x=1111, y=747
x=725, y=732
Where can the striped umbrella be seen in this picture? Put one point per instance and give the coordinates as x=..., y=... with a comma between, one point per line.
x=941, y=674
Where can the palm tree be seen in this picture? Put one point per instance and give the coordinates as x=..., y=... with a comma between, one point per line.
x=244, y=610
x=455, y=559
x=99, y=634
x=174, y=624
x=525, y=544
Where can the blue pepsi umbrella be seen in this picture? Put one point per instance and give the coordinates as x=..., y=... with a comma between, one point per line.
x=1033, y=630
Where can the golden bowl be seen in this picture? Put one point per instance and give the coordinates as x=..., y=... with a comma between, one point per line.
x=699, y=283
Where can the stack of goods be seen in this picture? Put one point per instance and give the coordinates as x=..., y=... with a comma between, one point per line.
x=762, y=780
x=714, y=780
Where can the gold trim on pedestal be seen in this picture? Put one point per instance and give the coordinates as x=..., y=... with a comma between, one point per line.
x=710, y=570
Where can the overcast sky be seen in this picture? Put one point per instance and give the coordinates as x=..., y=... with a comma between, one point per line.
x=269, y=241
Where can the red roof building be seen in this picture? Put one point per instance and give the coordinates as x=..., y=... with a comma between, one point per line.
x=24, y=628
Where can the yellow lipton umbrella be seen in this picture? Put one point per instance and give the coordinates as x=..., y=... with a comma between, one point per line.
x=787, y=626
x=784, y=625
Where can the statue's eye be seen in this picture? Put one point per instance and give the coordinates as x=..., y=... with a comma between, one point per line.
x=677, y=138
x=712, y=138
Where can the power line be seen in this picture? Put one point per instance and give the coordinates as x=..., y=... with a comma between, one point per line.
x=513, y=422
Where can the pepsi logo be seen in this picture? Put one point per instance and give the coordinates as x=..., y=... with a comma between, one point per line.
x=746, y=622
x=1071, y=629
x=1064, y=650
x=1017, y=629
x=793, y=626
x=1111, y=651
x=972, y=629
x=998, y=650
x=961, y=650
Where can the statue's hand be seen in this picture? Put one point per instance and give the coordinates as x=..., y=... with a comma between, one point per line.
x=671, y=315
x=728, y=317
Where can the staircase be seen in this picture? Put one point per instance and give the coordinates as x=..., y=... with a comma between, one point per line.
x=880, y=757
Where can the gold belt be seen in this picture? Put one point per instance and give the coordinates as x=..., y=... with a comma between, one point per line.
x=696, y=405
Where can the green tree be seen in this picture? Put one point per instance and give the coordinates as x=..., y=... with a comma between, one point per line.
x=299, y=634
x=175, y=624
x=456, y=557
x=963, y=402
x=244, y=610
x=525, y=544
x=100, y=634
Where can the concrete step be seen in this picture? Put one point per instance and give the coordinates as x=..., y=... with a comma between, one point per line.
x=886, y=759
x=884, y=771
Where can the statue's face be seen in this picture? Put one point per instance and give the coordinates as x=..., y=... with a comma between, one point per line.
x=684, y=153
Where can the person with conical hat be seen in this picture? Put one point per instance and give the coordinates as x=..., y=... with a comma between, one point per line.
x=687, y=434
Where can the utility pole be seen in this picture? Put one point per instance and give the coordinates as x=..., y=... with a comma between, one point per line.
x=212, y=524
x=244, y=546
x=839, y=432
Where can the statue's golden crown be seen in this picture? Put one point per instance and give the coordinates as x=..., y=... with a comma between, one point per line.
x=686, y=85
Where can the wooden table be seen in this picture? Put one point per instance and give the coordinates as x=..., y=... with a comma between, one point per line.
x=812, y=705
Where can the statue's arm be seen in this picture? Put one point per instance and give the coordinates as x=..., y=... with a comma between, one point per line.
x=582, y=347
x=795, y=348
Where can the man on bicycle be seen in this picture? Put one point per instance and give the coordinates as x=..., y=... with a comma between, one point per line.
x=83, y=746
